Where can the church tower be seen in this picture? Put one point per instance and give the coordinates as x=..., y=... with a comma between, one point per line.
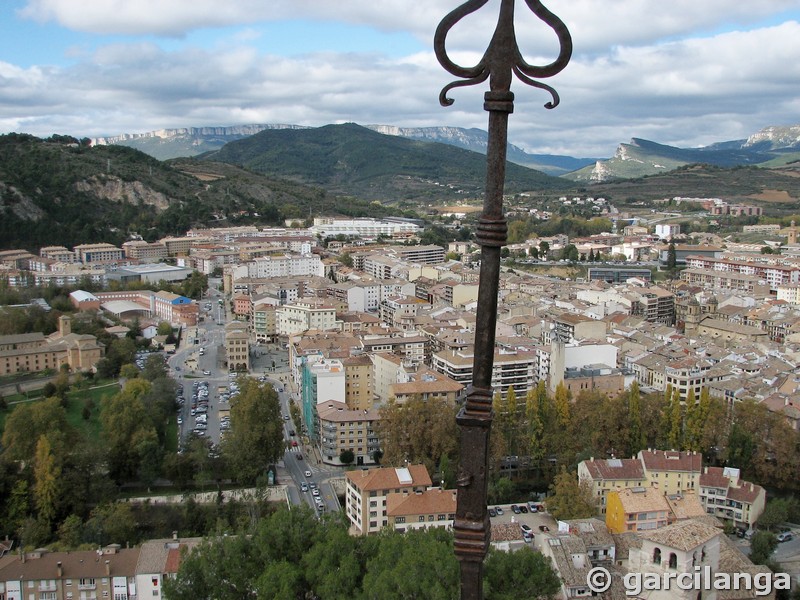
x=792, y=237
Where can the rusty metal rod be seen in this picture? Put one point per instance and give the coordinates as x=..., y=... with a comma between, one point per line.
x=502, y=58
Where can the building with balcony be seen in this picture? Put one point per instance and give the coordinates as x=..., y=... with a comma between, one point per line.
x=726, y=496
x=515, y=368
x=304, y=315
x=322, y=380
x=341, y=428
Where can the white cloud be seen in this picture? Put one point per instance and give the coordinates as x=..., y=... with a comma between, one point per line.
x=686, y=74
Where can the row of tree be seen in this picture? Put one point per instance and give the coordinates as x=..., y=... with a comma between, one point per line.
x=292, y=555
x=548, y=431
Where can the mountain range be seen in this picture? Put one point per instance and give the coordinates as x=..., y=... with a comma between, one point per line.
x=770, y=146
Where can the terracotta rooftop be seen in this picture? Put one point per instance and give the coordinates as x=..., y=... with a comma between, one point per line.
x=642, y=499
x=683, y=535
x=74, y=565
x=388, y=478
x=435, y=501
x=615, y=469
x=671, y=460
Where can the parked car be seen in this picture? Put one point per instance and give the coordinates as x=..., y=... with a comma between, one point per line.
x=515, y=509
x=523, y=508
x=525, y=527
x=785, y=536
x=544, y=528
x=492, y=512
x=498, y=510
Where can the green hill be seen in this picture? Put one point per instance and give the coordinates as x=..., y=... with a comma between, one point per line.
x=355, y=161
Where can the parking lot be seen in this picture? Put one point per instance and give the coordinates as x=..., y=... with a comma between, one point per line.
x=540, y=523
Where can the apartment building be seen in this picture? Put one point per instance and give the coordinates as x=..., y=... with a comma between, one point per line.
x=237, y=346
x=426, y=255
x=725, y=495
x=636, y=509
x=606, y=475
x=367, y=490
x=322, y=380
x=672, y=471
x=654, y=304
x=515, y=368
x=358, y=382
x=94, y=253
x=58, y=254
x=401, y=311
x=264, y=321
x=362, y=228
x=90, y=574
x=775, y=272
x=422, y=509
x=305, y=315
x=341, y=428
x=145, y=251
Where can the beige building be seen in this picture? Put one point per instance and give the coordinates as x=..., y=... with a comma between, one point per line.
x=421, y=510
x=358, y=386
x=672, y=471
x=33, y=352
x=237, y=346
x=636, y=509
x=341, y=428
x=304, y=315
x=726, y=496
x=368, y=489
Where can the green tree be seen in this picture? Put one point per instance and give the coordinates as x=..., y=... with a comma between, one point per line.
x=561, y=401
x=46, y=474
x=346, y=456
x=672, y=256
x=28, y=422
x=569, y=498
x=428, y=555
x=521, y=574
x=124, y=421
x=675, y=421
x=418, y=431
x=255, y=439
x=636, y=435
x=154, y=368
x=762, y=545
x=70, y=532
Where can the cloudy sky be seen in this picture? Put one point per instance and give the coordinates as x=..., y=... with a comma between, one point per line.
x=684, y=73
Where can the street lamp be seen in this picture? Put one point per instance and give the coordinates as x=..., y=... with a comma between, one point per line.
x=501, y=59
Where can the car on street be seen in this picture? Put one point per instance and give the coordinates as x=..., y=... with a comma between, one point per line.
x=303, y=487
x=291, y=433
x=315, y=492
x=294, y=443
x=307, y=473
x=206, y=372
x=285, y=417
x=299, y=456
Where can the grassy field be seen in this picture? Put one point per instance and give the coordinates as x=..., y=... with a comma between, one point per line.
x=78, y=399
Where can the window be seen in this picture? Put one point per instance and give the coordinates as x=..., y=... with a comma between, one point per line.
x=421, y=518
x=657, y=556
x=673, y=560
x=400, y=520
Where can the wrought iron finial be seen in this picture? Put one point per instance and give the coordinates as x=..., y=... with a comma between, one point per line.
x=499, y=63
x=503, y=56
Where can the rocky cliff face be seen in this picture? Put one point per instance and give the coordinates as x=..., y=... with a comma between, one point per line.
x=192, y=132
x=21, y=206
x=115, y=189
x=776, y=137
